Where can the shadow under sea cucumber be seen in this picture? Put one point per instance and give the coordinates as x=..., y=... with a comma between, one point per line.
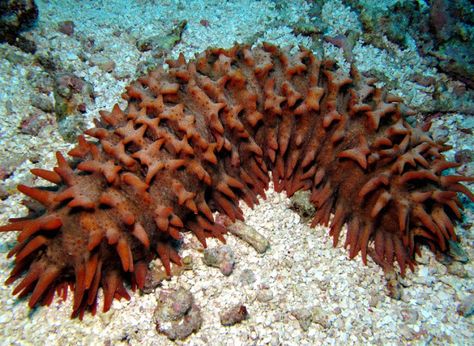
x=202, y=136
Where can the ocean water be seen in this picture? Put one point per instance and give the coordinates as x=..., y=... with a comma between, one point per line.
x=77, y=57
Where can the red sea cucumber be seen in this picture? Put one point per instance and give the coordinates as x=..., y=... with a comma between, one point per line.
x=205, y=134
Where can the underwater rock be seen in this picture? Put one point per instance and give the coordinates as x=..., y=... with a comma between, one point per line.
x=162, y=42
x=4, y=194
x=440, y=20
x=320, y=317
x=464, y=156
x=466, y=308
x=456, y=268
x=247, y=277
x=304, y=317
x=394, y=288
x=264, y=295
x=397, y=21
x=221, y=257
x=176, y=315
x=42, y=102
x=346, y=43
x=66, y=27
x=71, y=94
x=157, y=275
x=374, y=300
x=49, y=62
x=204, y=23
x=234, y=315
x=249, y=235
x=457, y=252
x=443, y=31
x=102, y=62
x=456, y=58
x=33, y=124
x=409, y=316
x=301, y=204
x=423, y=80
x=15, y=17
x=68, y=84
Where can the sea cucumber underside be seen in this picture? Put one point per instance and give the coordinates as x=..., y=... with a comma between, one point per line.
x=202, y=136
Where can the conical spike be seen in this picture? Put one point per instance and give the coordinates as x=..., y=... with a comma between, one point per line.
x=30, y=247
x=125, y=255
x=50, y=176
x=91, y=268
x=364, y=241
x=140, y=233
x=48, y=223
x=92, y=292
x=33, y=274
x=164, y=254
x=80, y=286
x=45, y=197
x=141, y=269
x=110, y=284
x=15, y=226
x=43, y=284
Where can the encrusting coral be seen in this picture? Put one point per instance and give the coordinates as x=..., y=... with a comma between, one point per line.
x=203, y=135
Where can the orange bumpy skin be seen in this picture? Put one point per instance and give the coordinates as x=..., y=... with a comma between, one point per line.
x=204, y=135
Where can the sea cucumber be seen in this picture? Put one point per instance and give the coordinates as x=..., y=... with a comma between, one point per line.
x=201, y=136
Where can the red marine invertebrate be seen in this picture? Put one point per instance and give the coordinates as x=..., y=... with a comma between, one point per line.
x=204, y=135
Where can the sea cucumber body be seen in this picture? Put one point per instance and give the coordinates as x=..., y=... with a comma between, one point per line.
x=202, y=136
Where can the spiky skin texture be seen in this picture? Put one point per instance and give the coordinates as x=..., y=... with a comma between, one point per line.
x=203, y=135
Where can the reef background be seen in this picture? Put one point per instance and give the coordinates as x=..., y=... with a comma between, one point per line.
x=77, y=57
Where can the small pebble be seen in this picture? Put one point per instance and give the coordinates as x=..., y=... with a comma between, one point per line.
x=301, y=204
x=464, y=156
x=457, y=252
x=406, y=332
x=466, y=308
x=221, y=257
x=9, y=106
x=247, y=277
x=33, y=124
x=457, y=268
x=304, y=317
x=393, y=286
x=176, y=315
x=234, y=315
x=155, y=276
x=424, y=80
x=264, y=295
x=70, y=81
x=66, y=27
x=104, y=63
x=3, y=193
x=249, y=235
x=42, y=102
x=409, y=316
x=173, y=304
x=275, y=339
x=374, y=300
x=423, y=259
x=82, y=107
x=320, y=317
x=444, y=259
